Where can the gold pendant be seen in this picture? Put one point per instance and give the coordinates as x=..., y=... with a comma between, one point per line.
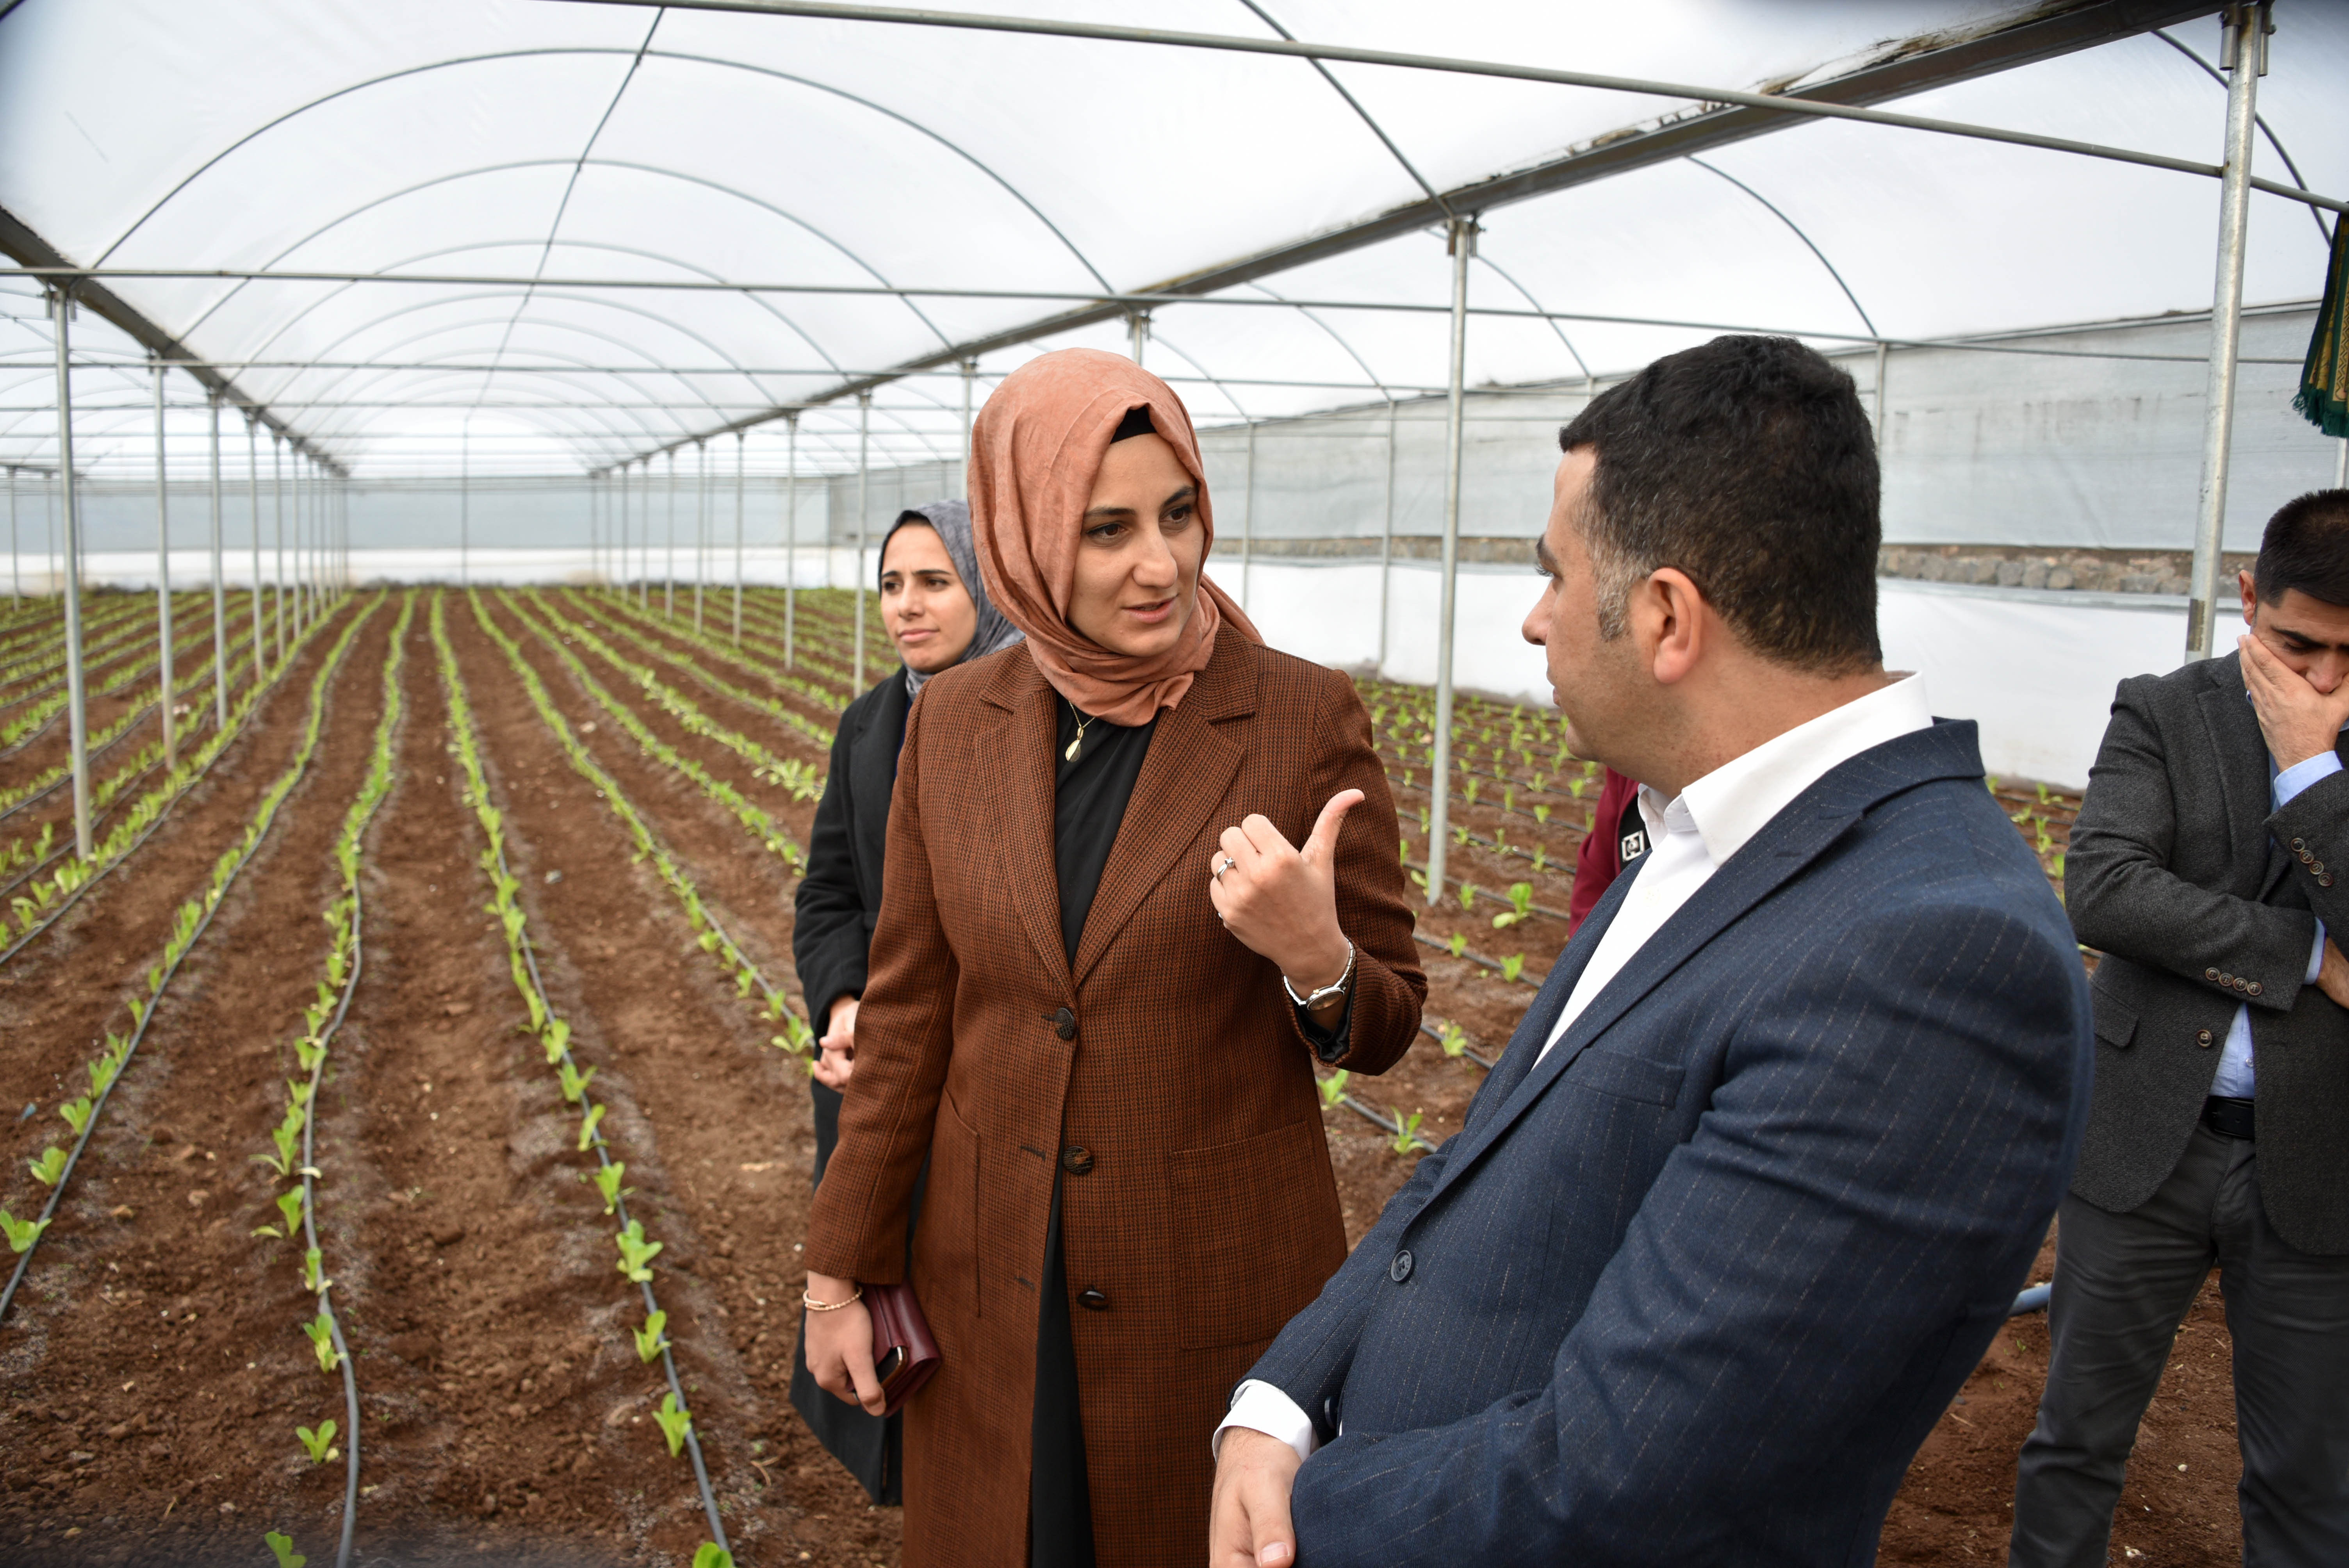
x=1071, y=754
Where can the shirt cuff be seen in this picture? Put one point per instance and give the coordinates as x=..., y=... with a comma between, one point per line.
x=1262, y=1407
x=2291, y=781
x=2315, y=957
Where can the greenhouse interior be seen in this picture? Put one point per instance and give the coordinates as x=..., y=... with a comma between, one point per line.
x=607, y=341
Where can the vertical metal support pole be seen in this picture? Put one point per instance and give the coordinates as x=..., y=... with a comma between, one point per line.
x=791, y=542
x=739, y=438
x=76, y=706
x=163, y=582
x=1463, y=245
x=1883, y=358
x=465, y=506
x=15, y=574
x=277, y=532
x=645, y=538
x=701, y=528
x=863, y=481
x=668, y=578
x=301, y=599
x=2340, y=478
x=1137, y=332
x=2243, y=56
x=1386, y=544
x=1247, y=516
x=969, y=374
x=220, y=589
x=252, y=488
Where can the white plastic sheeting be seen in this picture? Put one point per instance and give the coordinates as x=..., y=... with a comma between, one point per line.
x=546, y=143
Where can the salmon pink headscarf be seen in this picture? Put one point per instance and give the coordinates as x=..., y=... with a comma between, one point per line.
x=1034, y=452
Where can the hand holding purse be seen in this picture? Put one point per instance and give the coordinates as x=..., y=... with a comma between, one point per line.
x=904, y=1357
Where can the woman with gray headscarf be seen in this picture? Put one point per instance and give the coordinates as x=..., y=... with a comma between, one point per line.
x=936, y=609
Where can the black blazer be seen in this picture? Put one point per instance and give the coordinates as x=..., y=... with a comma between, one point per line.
x=839, y=898
x=2202, y=899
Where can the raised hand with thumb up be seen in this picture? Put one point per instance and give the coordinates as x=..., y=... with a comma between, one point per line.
x=1281, y=900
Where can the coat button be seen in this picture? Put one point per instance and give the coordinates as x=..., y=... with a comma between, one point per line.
x=1092, y=1301
x=2226, y=979
x=2324, y=879
x=2202, y=1038
x=2253, y=988
x=2306, y=859
x=1077, y=1160
x=2299, y=844
x=2211, y=975
x=2316, y=865
x=1064, y=1024
x=1400, y=1270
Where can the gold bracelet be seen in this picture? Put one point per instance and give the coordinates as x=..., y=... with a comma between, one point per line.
x=814, y=1305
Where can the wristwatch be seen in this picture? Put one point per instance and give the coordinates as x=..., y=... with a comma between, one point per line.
x=1335, y=988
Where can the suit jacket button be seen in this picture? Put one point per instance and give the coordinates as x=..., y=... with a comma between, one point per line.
x=1092, y=1301
x=2253, y=988
x=2324, y=879
x=2316, y=865
x=1064, y=1024
x=2202, y=1038
x=2211, y=975
x=1400, y=1270
x=2299, y=844
x=1077, y=1160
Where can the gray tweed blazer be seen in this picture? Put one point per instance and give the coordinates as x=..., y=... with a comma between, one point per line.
x=2200, y=899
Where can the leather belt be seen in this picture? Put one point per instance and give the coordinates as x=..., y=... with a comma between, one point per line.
x=2227, y=1117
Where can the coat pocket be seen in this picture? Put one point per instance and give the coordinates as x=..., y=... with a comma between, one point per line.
x=946, y=1243
x=1261, y=1232
x=1626, y=1078
x=2116, y=1020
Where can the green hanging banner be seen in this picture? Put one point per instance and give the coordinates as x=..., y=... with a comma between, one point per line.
x=2323, y=394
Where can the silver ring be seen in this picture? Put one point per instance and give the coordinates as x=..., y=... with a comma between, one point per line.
x=1228, y=864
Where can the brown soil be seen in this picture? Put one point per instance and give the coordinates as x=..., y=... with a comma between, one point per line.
x=155, y=1363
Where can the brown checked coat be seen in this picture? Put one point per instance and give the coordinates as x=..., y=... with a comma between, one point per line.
x=1166, y=1076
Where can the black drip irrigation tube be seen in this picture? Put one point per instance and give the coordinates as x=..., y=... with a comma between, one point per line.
x=153, y=827
x=310, y=1239
x=62, y=779
x=146, y=1021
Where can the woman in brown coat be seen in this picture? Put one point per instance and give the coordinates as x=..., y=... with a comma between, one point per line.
x=1103, y=970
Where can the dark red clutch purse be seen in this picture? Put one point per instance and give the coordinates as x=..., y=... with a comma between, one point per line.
x=903, y=1354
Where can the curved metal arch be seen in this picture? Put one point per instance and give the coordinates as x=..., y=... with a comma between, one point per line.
x=772, y=309
x=2259, y=119
x=1555, y=325
x=1376, y=128
x=1340, y=337
x=587, y=401
x=1797, y=228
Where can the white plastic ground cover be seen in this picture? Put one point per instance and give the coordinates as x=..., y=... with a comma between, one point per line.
x=541, y=140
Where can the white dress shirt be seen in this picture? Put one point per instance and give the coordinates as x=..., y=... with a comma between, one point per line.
x=1691, y=837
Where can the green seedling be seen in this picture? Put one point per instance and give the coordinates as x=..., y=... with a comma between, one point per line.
x=1407, y=1130
x=313, y=1279
x=1513, y=968
x=650, y=1342
x=102, y=1071
x=556, y=1038
x=797, y=1037
x=1521, y=906
x=77, y=1113
x=284, y=1546
x=309, y=1050
x=1467, y=896
x=297, y=1092
x=319, y=1445
x=1334, y=1087
x=675, y=1422
x=49, y=1166
x=710, y=1554
x=2059, y=865
x=1541, y=856
x=587, y=1127
x=1468, y=790
x=1541, y=812
x=1457, y=946
x=635, y=1253
x=1575, y=787
x=322, y=1339
x=289, y=1204
x=22, y=1234
x=607, y=1183
x=575, y=1082
x=1501, y=841
x=1508, y=799
x=1453, y=1041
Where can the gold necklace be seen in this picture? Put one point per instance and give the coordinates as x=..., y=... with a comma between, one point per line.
x=1071, y=754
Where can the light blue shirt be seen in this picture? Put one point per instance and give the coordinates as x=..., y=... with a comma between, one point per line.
x=2235, y=1078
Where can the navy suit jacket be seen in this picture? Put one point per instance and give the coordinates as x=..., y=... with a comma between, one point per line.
x=1695, y=1288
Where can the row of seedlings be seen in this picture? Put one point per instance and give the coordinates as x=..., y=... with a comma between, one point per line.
x=20, y=732
x=621, y=626
x=53, y=896
x=53, y=1167
x=637, y=1251
x=294, y=1143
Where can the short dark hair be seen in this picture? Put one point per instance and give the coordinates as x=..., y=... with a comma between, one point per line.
x=1747, y=463
x=2306, y=546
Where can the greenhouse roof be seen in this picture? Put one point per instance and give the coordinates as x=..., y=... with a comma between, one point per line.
x=541, y=236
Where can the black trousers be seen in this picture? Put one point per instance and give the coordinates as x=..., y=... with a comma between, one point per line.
x=2123, y=1285
x=1060, y=1502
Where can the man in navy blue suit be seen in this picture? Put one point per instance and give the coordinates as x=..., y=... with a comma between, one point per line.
x=1753, y=1185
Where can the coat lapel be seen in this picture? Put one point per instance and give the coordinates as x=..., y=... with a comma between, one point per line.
x=2245, y=786
x=1786, y=845
x=1185, y=777
x=1022, y=744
